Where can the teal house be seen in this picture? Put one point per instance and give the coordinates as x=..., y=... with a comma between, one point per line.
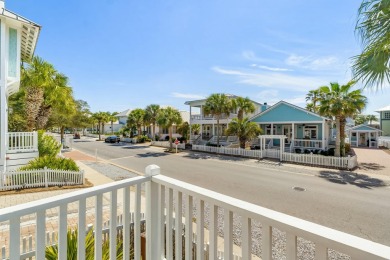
x=363, y=136
x=302, y=128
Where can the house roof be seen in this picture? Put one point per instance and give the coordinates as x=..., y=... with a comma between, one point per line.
x=228, y=95
x=387, y=108
x=29, y=33
x=290, y=105
x=124, y=113
x=364, y=128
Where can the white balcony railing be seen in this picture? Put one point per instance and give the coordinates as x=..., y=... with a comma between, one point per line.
x=209, y=117
x=307, y=143
x=166, y=199
x=22, y=142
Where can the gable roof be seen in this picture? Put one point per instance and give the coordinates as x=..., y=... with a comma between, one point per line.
x=364, y=128
x=387, y=108
x=280, y=103
x=124, y=113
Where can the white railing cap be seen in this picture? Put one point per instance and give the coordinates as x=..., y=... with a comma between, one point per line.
x=152, y=170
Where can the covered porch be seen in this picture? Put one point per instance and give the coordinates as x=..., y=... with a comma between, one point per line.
x=363, y=136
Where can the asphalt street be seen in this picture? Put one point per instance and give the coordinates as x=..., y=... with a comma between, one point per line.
x=356, y=204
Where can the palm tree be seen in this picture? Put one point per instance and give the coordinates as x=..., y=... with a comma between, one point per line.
x=136, y=118
x=373, y=28
x=340, y=102
x=184, y=130
x=195, y=128
x=101, y=118
x=371, y=118
x=35, y=77
x=243, y=105
x=151, y=113
x=312, y=98
x=360, y=119
x=167, y=117
x=112, y=117
x=244, y=130
x=217, y=105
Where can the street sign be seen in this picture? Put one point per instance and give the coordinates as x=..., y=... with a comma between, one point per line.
x=176, y=141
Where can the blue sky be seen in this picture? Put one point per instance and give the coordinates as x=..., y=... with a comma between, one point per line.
x=123, y=54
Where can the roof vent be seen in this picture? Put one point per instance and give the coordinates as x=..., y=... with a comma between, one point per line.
x=265, y=103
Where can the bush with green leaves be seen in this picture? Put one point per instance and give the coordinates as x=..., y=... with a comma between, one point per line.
x=47, y=145
x=143, y=139
x=51, y=163
x=51, y=252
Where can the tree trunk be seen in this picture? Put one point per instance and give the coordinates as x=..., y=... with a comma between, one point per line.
x=34, y=99
x=112, y=127
x=102, y=129
x=62, y=135
x=43, y=117
x=337, y=149
x=342, y=137
x=242, y=142
x=170, y=138
x=99, y=132
x=154, y=132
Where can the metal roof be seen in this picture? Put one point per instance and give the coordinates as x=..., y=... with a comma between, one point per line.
x=29, y=33
x=387, y=108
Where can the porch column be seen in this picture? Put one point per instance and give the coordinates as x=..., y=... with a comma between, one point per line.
x=272, y=129
x=369, y=139
x=190, y=123
x=323, y=134
x=3, y=100
x=292, y=134
x=281, y=148
x=357, y=138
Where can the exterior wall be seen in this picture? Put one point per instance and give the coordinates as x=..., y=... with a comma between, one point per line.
x=385, y=127
x=12, y=53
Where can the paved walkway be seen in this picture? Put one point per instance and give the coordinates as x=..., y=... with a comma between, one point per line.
x=373, y=161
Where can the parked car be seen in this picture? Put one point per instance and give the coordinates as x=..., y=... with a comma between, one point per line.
x=112, y=139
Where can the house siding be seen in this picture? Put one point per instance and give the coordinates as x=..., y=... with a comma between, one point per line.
x=12, y=53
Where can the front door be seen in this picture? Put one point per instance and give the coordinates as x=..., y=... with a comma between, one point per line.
x=287, y=132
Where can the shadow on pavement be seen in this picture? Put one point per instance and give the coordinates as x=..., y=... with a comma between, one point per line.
x=359, y=180
x=371, y=166
x=144, y=155
x=135, y=147
x=205, y=156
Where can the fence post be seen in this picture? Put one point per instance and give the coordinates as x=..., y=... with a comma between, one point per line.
x=349, y=163
x=153, y=242
x=82, y=176
x=45, y=172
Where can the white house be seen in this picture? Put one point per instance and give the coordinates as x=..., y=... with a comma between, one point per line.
x=18, y=37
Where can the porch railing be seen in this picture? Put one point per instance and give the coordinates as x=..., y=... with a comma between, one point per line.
x=209, y=117
x=166, y=199
x=307, y=143
x=22, y=142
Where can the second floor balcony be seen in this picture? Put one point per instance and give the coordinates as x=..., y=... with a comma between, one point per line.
x=180, y=220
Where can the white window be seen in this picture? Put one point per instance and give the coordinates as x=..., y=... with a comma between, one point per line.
x=310, y=132
x=386, y=115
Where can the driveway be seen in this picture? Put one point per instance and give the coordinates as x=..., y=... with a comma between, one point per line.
x=373, y=161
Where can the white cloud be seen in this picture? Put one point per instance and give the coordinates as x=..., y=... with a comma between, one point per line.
x=312, y=63
x=188, y=96
x=272, y=69
x=298, y=100
x=275, y=80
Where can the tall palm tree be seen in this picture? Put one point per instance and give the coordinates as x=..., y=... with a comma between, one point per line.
x=340, y=102
x=243, y=105
x=217, y=105
x=244, y=129
x=101, y=118
x=167, y=117
x=136, y=118
x=151, y=113
x=112, y=118
x=373, y=28
x=371, y=118
x=360, y=119
x=38, y=75
x=312, y=98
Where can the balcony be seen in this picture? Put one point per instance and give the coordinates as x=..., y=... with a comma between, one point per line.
x=208, y=119
x=165, y=200
x=19, y=142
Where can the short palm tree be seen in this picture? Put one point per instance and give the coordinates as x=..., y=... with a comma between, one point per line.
x=112, y=118
x=195, y=129
x=243, y=105
x=136, y=118
x=340, y=102
x=373, y=27
x=151, y=113
x=217, y=105
x=312, y=98
x=371, y=118
x=101, y=118
x=167, y=117
x=244, y=129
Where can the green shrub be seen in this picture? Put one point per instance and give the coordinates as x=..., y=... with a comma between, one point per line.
x=51, y=163
x=143, y=139
x=47, y=145
x=51, y=252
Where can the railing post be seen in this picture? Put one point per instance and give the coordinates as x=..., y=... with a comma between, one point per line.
x=45, y=173
x=35, y=140
x=153, y=240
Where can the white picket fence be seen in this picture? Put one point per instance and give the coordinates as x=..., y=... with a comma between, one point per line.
x=40, y=178
x=349, y=162
x=22, y=142
x=166, y=144
x=384, y=141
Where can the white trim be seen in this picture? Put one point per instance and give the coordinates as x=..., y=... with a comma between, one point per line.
x=291, y=122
